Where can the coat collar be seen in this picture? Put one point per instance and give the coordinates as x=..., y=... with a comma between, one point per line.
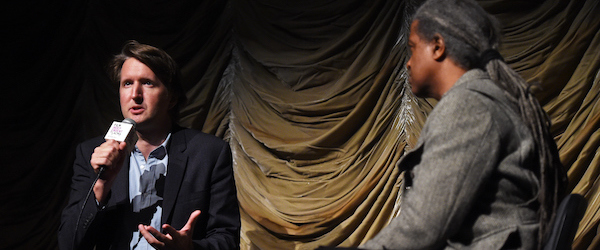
x=120, y=190
x=479, y=81
x=469, y=76
x=175, y=173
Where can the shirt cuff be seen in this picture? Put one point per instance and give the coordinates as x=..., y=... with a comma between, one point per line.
x=100, y=206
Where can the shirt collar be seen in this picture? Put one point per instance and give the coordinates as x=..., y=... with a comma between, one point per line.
x=160, y=152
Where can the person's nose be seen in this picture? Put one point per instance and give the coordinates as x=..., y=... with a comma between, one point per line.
x=137, y=93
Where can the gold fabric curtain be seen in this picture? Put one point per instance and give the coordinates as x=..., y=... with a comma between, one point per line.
x=317, y=119
x=315, y=105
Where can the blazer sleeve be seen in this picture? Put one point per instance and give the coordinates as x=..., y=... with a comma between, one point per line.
x=456, y=155
x=78, y=222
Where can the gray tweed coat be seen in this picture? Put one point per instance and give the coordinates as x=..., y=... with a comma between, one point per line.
x=468, y=183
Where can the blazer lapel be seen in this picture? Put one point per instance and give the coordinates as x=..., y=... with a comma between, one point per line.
x=407, y=161
x=175, y=172
x=120, y=189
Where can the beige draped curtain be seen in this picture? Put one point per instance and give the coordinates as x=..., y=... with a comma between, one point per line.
x=315, y=121
x=316, y=107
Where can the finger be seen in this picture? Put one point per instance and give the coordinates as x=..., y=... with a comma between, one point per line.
x=158, y=235
x=122, y=146
x=101, y=151
x=102, y=158
x=109, y=155
x=106, y=150
x=110, y=143
x=153, y=236
x=149, y=237
x=175, y=235
x=189, y=226
x=98, y=163
x=110, y=147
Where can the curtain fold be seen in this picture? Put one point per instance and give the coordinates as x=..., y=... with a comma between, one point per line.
x=311, y=119
x=311, y=95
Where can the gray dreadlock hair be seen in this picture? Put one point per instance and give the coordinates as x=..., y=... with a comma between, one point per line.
x=472, y=38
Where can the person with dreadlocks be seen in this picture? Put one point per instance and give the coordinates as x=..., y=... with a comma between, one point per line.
x=485, y=173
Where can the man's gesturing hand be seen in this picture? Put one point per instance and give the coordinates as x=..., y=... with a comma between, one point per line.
x=174, y=239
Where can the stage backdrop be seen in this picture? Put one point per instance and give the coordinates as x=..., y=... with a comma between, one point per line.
x=311, y=95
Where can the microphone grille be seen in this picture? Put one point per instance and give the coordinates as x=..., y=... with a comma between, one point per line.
x=130, y=121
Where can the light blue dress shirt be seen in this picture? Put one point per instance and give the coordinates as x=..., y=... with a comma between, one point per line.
x=143, y=175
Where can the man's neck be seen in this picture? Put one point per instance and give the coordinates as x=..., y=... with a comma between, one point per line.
x=148, y=141
x=448, y=75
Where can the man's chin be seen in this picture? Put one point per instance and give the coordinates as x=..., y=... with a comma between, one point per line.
x=420, y=92
x=138, y=120
x=416, y=92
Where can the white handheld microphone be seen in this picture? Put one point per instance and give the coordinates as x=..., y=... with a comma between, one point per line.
x=123, y=132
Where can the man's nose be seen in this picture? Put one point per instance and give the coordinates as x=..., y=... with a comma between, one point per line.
x=137, y=92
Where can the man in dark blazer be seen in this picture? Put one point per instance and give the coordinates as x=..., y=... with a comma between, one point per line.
x=174, y=190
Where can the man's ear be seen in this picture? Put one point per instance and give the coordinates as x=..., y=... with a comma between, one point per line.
x=439, y=47
x=173, y=100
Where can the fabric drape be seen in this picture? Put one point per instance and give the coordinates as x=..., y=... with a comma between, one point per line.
x=311, y=95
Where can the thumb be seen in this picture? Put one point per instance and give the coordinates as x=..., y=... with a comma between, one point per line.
x=122, y=146
x=189, y=226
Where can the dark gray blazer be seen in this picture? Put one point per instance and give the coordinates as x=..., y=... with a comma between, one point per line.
x=470, y=183
x=200, y=176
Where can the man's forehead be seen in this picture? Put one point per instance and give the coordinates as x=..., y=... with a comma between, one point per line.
x=413, y=30
x=133, y=67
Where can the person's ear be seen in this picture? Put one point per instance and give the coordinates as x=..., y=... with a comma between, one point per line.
x=173, y=99
x=438, y=48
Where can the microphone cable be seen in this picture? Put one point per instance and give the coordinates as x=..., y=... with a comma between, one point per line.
x=85, y=203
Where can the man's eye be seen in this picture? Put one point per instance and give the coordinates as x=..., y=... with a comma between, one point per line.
x=148, y=83
x=126, y=83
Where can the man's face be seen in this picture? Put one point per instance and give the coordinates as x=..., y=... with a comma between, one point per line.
x=144, y=98
x=421, y=64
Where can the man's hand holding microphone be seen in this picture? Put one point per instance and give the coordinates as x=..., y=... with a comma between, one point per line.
x=108, y=158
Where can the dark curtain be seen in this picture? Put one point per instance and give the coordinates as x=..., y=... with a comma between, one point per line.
x=311, y=95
